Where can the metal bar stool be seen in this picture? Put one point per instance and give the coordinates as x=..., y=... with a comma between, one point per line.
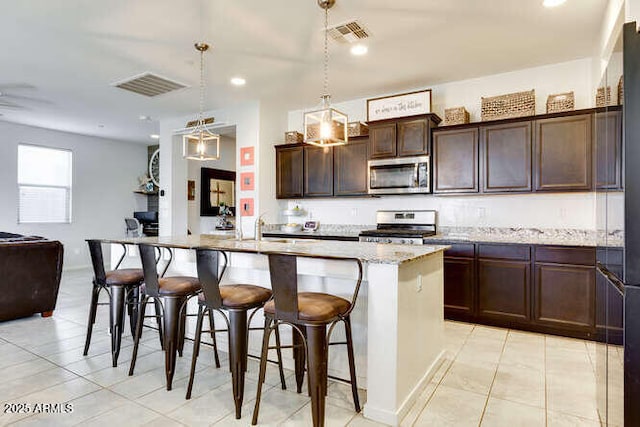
x=121, y=285
x=171, y=295
x=236, y=300
x=309, y=314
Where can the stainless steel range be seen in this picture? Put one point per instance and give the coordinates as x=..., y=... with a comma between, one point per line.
x=404, y=227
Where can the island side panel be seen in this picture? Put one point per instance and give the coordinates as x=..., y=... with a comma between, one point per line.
x=406, y=322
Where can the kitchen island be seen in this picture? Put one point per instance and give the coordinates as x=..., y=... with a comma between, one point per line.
x=400, y=322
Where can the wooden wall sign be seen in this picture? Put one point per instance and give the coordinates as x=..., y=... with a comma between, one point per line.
x=403, y=105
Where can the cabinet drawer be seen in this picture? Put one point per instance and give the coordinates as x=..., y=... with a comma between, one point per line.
x=460, y=250
x=565, y=255
x=516, y=252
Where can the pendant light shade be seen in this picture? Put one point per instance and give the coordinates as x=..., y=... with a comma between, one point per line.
x=201, y=144
x=327, y=126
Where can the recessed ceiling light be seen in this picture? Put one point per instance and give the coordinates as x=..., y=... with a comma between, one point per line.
x=552, y=3
x=154, y=136
x=238, y=81
x=100, y=126
x=145, y=118
x=359, y=50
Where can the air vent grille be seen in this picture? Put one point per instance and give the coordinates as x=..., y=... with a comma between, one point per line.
x=349, y=32
x=149, y=84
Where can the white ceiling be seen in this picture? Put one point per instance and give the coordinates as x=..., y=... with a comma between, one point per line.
x=72, y=50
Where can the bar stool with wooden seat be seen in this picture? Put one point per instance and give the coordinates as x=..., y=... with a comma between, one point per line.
x=121, y=285
x=236, y=300
x=173, y=294
x=309, y=314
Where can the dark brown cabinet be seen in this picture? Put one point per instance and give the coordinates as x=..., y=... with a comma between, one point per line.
x=318, y=171
x=289, y=171
x=350, y=168
x=506, y=157
x=408, y=136
x=564, y=291
x=459, y=280
x=563, y=153
x=382, y=140
x=504, y=280
x=455, y=161
x=608, y=150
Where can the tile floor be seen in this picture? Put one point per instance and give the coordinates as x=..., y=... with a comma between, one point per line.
x=491, y=377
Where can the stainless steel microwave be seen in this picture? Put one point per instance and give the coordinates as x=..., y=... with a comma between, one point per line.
x=402, y=175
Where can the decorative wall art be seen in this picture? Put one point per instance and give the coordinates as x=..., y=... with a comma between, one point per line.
x=246, y=156
x=403, y=105
x=217, y=187
x=247, y=181
x=246, y=206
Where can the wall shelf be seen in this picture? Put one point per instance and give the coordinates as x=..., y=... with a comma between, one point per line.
x=146, y=193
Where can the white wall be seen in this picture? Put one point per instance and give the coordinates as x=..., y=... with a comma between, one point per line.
x=567, y=210
x=227, y=161
x=104, y=175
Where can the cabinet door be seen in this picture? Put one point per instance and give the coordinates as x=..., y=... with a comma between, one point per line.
x=563, y=153
x=609, y=310
x=459, y=288
x=608, y=150
x=350, y=168
x=413, y=137
x=506, y=157
x=503, y=291
x=318, y=171
x=382, y=140
x=289, y=165
x=455, y=161
x=564, y=296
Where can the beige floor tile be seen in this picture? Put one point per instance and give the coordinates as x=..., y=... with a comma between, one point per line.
x=20, y=387
x=470, y=376
x=129, y=414
x=419, y=405
x=572, y=394
x=481, y=348
x=360, y=421
x=519, y=384
x=340, y=395
x=25, y=369
x=335, y=416
x=489, y=332
x=452, y=407
x=558, y=419
x=163, y=422
x=511, y=414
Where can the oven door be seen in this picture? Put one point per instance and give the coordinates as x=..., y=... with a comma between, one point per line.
x=397, y=176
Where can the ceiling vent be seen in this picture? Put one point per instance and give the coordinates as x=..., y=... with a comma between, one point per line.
x=149, y=84
x=349, y=32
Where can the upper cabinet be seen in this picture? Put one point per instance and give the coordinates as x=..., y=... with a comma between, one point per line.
x=318, y=171
x=455, y=161
x=408, y=136
x=506, y=157
x=563, y=153
x=350, y=168
x=289, y=171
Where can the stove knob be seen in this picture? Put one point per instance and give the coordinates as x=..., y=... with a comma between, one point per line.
x=387, y=240
x=408, y=242
x=403, y=241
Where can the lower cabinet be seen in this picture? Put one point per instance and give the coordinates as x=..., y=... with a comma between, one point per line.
x=549, y=289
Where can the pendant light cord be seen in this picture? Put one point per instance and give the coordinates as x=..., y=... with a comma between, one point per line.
x=326, y=55
x=200, y=114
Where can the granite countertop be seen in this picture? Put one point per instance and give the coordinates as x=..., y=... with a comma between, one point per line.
x=367, y=252
x=325, y=231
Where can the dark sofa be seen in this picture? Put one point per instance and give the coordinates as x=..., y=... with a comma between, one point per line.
x=30, y=271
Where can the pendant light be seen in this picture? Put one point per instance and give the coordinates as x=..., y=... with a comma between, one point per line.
x=201, y=144
x=325, y=127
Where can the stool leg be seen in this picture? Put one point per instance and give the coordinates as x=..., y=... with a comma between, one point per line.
x=317, y=354
x=298, y=358
x=283, y=383
x=212, y=326
x=138, y=334
x=182, y=329
x=196, y=349
x=117, y=319
x=171, y=330
x=95, y=293
x=238, y=354
x=352, y=363
x=263, y=367
x=132, y=307
x=158, y=309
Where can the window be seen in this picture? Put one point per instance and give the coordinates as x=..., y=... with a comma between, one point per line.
x=44, y=185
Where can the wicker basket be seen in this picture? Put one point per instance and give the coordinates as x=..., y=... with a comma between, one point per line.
x=456, y=116
x=519, y=104
x=560, y=102
x=357, y=129
x=603, y=100
x=621, y=90
x=293, y=137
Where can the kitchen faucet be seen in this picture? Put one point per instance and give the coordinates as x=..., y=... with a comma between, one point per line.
x=257, y=235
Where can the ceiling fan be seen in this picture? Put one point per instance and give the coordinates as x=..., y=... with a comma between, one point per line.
x=13, y=101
